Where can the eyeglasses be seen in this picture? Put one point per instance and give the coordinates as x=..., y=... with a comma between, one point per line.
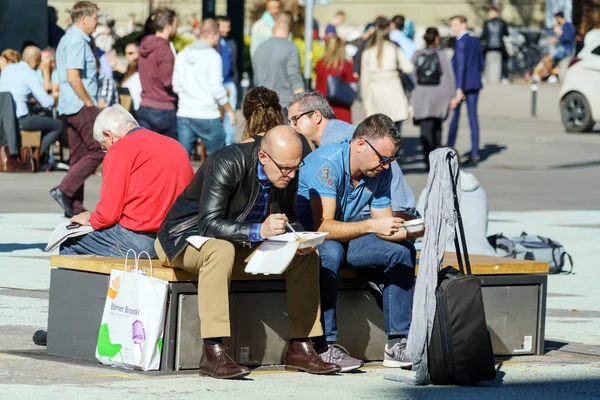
x=295, y=118
x=382, y=160
x=285, y=171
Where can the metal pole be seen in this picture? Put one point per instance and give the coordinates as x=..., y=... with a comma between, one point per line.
x=150, y=7
x=534, y=92
x=308, y=28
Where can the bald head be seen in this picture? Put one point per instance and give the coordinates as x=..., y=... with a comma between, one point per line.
x=32, y=56
x=281, y=140
x=283, y=23
x=208, y=28
x=280, y=154
x=209, y=32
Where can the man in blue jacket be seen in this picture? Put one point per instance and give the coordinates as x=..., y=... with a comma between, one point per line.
x=468, y=65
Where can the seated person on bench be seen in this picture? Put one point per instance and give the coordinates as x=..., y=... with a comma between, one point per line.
x=241, y=195
x=311, y=115
x=564, y=46
x=335, y=184
x=143, y=173
x=22, y=82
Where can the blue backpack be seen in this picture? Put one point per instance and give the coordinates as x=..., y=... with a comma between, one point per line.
x=535, y=248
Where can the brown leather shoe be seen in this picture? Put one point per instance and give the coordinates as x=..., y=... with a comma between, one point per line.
x=301, y=356
x=216, y=363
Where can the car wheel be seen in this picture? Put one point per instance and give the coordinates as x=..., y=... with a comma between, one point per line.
x=576, y=113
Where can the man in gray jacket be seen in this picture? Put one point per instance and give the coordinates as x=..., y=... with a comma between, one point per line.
x=276, y=63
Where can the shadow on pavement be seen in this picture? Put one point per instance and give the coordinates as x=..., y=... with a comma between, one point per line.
x=10, y=247
x=412, y=161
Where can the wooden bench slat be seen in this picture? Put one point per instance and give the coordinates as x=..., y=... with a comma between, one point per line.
x=480, y=265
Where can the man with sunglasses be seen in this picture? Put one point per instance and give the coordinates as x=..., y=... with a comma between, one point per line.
x=311, y=115
x=336, y=183
x=243, y=194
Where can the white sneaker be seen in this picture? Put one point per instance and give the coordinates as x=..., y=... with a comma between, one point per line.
x=552, y=79
x=505, y=81
x=396, y=357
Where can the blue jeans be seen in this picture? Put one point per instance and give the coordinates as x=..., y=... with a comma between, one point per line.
x=209, y=130
x=159, y=121
x=230, y=129
x=110, y=242
x=369, y=251
x=471, y=98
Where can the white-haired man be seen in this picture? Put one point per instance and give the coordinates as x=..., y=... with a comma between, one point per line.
x=143, y=173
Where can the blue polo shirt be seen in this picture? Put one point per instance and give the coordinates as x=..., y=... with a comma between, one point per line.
x=74, y=52
x=326, y=173
x=403, y=199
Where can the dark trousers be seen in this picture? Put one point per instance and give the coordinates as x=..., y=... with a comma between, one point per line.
x=86, y=154
x=159, y=121
x=431, y=136
x=51, y=128
x=504, y=61
x=471, y=100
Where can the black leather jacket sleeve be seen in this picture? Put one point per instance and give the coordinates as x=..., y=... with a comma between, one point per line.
x=219, y=182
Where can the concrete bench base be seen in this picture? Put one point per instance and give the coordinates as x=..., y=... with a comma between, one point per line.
x=515, y=308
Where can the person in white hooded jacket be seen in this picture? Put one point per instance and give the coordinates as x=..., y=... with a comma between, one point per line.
x=198, y=81
x=474, y=211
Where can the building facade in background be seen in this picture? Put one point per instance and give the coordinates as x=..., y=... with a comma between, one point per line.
x=359, y=12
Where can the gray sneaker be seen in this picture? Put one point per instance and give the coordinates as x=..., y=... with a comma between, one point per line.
x=336, y=354
x=396, y=357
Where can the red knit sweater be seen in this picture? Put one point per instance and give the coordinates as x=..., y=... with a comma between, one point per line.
x=143, y=173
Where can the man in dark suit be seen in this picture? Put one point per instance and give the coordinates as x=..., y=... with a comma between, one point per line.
x=468, y=65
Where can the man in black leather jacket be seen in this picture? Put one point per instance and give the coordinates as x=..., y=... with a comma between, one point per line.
x=242, y=195
x=492, y=38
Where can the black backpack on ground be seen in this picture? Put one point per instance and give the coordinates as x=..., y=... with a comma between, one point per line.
x=460, y=350
x=429, y=70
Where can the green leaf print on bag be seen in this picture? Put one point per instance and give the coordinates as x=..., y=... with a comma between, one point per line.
x=105, y=347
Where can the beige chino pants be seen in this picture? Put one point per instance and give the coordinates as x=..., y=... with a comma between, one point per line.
x=218, y=259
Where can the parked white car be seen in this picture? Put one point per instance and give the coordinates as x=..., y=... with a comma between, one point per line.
x=580, y=90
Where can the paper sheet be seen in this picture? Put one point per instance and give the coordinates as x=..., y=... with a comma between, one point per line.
x=197, y=241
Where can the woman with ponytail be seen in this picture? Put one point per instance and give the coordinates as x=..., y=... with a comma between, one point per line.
x=262, y=112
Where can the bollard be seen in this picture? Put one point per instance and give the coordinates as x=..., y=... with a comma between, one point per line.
x=534, y=91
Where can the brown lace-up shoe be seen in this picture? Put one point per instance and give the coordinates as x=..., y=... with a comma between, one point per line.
x=301, y=356
x=216, y=363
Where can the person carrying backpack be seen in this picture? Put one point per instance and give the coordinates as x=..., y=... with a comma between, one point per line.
x=433, y=97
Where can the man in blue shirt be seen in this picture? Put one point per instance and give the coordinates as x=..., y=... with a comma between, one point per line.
x=312, y=116
x=227, y=48
x=564, y=46
x=21, y=81
x=397, y=36
x=78, y=90
x=335, y=184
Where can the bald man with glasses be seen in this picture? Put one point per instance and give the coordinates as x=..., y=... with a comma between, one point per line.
x=241, y=195
x=337, y=182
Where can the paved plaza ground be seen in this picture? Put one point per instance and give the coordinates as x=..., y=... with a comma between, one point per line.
x=538, y=179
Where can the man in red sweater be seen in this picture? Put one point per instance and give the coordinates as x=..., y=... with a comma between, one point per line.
x=155, y=65
x=143, y=173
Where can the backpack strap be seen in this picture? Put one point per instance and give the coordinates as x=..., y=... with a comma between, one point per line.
x=563, y=257
x=454, y=183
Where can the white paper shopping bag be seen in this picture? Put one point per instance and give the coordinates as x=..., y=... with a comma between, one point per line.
x=131, y=331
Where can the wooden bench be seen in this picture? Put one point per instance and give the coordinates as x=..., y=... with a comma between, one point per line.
x=514, y=295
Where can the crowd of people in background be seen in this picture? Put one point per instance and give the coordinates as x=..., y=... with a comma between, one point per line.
x=188, y=90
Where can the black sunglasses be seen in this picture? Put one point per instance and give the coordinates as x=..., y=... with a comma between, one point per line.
x=285, y=171
x=383, y=160
x=295, y=118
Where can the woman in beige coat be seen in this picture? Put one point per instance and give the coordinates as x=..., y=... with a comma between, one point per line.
x=380, y=86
